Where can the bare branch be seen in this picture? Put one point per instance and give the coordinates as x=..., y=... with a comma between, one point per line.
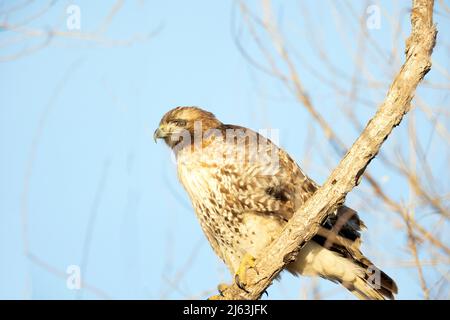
x=306, y=221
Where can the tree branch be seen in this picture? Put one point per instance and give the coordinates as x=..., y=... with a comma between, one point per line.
x=306, y=221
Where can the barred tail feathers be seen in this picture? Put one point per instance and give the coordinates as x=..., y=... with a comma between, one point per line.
x=361, y=277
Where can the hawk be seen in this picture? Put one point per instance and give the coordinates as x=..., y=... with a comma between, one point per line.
x=244, y=189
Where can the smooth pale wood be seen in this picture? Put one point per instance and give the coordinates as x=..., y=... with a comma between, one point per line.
x=305, y=222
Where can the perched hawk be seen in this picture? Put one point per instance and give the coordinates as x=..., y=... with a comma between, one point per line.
x=244, y=189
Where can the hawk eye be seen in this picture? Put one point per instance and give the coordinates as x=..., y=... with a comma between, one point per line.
x=179, y=122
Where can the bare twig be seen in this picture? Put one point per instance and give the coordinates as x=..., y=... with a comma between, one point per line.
x=306, y=221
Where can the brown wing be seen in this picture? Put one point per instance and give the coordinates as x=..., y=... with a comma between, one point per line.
x=285, y=189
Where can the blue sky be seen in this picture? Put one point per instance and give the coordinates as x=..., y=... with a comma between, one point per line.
x=82, y=182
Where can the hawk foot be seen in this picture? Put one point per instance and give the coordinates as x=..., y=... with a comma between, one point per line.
x=222, y=288
x=247, y=262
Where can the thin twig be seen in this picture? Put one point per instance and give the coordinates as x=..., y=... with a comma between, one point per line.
x=306, y=221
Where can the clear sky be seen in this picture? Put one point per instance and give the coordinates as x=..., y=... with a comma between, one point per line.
x=81, y=180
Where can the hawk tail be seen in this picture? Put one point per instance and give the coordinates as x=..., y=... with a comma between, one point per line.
x=370, y=282
x=360, y=277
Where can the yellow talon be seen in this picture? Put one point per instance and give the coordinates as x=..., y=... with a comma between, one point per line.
x=247, y=262
x=222, y=288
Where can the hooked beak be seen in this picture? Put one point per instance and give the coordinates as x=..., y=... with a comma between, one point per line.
x=159, y=134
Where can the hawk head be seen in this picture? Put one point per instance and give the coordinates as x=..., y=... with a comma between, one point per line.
x=181, y=121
